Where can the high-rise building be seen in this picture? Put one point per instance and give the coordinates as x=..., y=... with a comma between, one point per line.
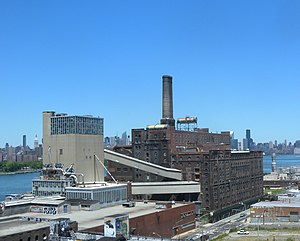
x=245, y=144
x=6, y=147
x=36, y=142
x=249, y=140
x=24, y=141
x=74, y=140
x=124, y=139
x=234, y=143
x=248, y=134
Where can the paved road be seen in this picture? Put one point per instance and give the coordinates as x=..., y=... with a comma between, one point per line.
x=213, y=230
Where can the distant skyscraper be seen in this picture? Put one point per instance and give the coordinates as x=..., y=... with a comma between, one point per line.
x=234, y=143
x=107, y=141
x=6, y=147
x=245, y=144
x=248, y=134
x=249, y=139
x=124, y=139
x=271, y=145
x=36, y=142
x=24, y=141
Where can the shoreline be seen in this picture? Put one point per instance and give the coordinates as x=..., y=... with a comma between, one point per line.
x=20, y=172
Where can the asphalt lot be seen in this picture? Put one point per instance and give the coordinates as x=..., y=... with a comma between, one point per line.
x=280, y=235
x=270, y=232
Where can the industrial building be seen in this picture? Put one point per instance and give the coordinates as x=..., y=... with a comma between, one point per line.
x=285, y=209
x=104, y=194
x=226, y=177
x=166, y=219
x=74, y=141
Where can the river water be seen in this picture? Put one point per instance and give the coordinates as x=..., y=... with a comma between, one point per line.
x=281, y=161
x=16, y=183
x=20, y=183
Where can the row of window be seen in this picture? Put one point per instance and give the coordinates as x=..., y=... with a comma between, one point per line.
x=76, y=125
x=104, y=196
x=48, y=184
x=46, y=193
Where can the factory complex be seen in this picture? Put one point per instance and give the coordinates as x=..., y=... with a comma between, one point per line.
x=170, y=173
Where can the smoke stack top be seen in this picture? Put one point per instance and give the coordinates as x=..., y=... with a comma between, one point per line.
x=167, y=101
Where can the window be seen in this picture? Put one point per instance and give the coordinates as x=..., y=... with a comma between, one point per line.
x=60, y=151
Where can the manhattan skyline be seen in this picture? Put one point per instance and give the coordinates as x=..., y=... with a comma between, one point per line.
x=235, y=65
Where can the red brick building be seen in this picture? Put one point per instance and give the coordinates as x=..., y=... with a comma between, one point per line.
x=165, y=222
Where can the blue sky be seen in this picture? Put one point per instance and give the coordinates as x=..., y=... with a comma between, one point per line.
x=235, y=64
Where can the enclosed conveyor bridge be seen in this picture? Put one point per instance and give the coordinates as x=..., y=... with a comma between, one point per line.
x=142, y=165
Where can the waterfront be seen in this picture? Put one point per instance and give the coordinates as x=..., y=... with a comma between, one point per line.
x=281, y=161
x=21, y=182
x=16, y=183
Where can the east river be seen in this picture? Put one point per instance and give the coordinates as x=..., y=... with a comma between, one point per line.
x=21, y=183
x=16, y=183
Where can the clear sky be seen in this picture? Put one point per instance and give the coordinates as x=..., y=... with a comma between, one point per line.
x=235, y=64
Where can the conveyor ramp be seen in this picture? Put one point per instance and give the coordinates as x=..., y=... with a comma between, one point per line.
x=142, y=165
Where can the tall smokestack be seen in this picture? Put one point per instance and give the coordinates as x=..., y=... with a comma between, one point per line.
x=167, y=101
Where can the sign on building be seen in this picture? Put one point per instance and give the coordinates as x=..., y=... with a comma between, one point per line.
x=116, y=226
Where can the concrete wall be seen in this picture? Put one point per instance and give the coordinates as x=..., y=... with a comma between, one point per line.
x=77, y=149
x=17, y=209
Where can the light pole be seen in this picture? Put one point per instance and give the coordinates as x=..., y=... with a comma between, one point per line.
x=259, y=217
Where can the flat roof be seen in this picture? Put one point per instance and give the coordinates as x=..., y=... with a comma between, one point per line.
x=9, y=226
x=51, y=200
x=293, y=202
x=86, y=219
x=89, y=187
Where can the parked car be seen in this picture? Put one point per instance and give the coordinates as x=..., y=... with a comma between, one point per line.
x=242, y=232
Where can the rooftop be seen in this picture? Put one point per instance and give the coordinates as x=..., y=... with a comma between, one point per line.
x=285, y=201
x=86, y=219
